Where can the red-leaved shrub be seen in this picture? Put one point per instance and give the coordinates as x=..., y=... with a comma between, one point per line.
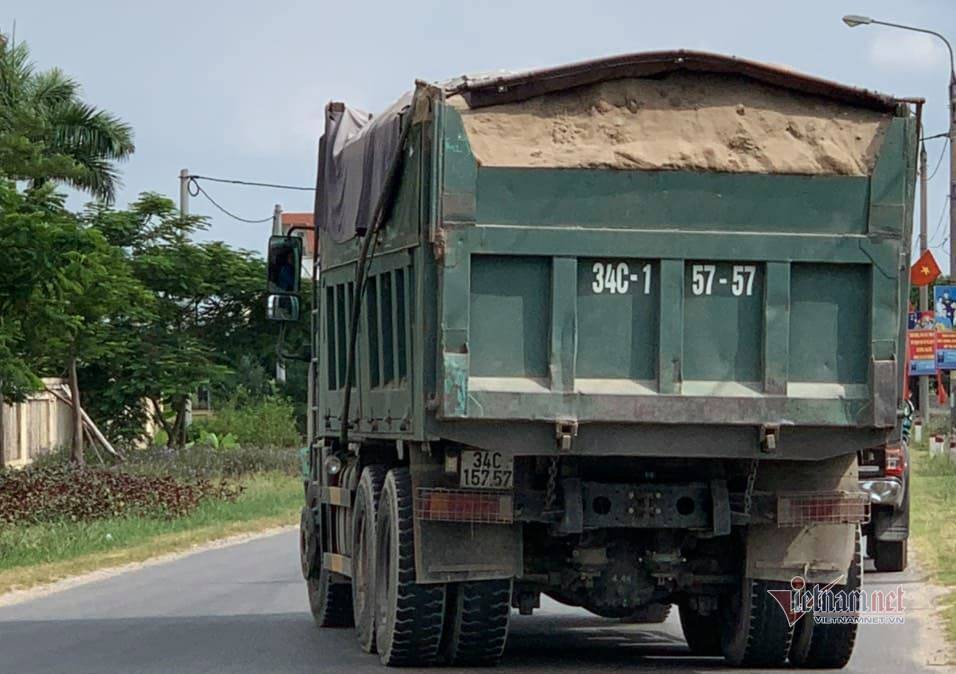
x=64, y=492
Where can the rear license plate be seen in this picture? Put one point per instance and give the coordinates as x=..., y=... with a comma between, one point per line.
x=487, y=470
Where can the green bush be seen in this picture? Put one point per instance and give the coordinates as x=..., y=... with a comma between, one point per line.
x=199, y=461
x=213, y=441
x=263, y=422
x=194, y=462
x=247, y=436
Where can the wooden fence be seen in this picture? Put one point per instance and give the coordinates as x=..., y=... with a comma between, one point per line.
x=36, y=426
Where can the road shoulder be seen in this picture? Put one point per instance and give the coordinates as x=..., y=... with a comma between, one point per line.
x=142, y=556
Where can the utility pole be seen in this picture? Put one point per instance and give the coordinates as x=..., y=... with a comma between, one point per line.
x=184, y=192
x=277, y=219
x=277, y=230
x=924, y=289
x=184, y=211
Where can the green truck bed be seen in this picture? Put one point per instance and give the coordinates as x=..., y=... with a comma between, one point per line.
x=635, y=311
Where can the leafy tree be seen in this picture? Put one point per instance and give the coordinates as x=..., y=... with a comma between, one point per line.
x=67, y=285
x=18, y=283
x=124, y=302
x=127, y=299
x=49, y=134
x=61, y=282
x=100, y=292
x=206, y=316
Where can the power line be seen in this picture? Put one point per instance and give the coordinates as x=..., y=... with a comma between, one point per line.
x=939, y=223
x=938, y=161
x=194, y=185
x=253, y=183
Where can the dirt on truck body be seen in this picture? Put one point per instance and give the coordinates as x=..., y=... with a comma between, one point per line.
x=613, y=332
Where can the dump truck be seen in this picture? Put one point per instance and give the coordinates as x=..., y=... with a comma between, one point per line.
x=614, y=333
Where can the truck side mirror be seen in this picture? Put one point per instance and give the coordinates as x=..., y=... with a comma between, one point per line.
x=285, y=262
x=282, y=308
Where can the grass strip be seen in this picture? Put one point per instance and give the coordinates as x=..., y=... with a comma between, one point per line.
x=933, y=523
x=44, y=553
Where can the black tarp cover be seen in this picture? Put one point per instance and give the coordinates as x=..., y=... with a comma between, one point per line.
x=355, y=154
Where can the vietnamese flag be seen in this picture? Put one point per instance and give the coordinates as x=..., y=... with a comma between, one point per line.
x=925, y=270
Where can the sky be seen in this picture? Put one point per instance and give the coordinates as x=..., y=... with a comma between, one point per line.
x=237, y=89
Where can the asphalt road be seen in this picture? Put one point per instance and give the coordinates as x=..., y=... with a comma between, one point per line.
x=243, y=609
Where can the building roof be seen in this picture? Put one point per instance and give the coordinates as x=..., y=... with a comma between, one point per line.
x=290, y=220
x=297, y=219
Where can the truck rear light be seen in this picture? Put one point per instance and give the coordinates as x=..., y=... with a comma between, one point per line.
x=463, y=505
x=842, y=507
x=894, y=461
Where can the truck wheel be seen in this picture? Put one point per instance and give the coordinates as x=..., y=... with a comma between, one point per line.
x=363, y=554
x=477, y=622
x=755, y=631
x=702, y=632
x=889, y=556
x=827, y=646
x=408, y=616
x=330, y=601
x=650, y=614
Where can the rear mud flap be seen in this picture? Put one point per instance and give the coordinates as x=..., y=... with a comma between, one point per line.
x=459, y=551
x=818, y=552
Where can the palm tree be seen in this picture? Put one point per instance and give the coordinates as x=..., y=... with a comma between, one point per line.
x=48, y=133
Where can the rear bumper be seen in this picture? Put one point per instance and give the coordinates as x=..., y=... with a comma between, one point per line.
x=887, y=491
x=694, y=505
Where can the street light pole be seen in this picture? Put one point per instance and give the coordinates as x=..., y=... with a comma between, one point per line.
x=952, y=165
x=853, y=20
x=923, y=289
x=952, y=201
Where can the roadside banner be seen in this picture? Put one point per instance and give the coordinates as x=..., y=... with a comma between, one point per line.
x=922, y=352
x=945, y=304
x=925, y=320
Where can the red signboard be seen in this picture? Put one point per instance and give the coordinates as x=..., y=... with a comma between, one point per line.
x=922, y=346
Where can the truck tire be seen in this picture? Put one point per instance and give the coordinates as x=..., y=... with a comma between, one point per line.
x=702, y=632
x=889, y=556
x=330, y=601
x=827, y=646
x=363, y=554
x=408, y=616
x=477, y=622
x=650, y=614
x=755, y=631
